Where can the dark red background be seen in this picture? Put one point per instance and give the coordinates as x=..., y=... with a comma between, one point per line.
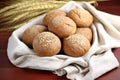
x=10, y=72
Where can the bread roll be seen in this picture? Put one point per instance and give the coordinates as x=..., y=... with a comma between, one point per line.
x=87, y=32
x=50, y=15
x=81, y=17
x=46, y=44
x=29, y=34
x=62, y=26
x=76, y=45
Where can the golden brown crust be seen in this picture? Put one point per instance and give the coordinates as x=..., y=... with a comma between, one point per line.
x=76, y=45
x=29, y=34
x=50, y=15
x=46, y=44
x=81, y=17
x=62, y=26
x=87, y=32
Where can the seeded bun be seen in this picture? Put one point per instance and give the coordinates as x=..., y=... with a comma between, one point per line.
x=81, y=17
x=76, y=45
x=46, y=44
x=87, y=32
x=50, y=15
x=62, y=26
x=29, y=34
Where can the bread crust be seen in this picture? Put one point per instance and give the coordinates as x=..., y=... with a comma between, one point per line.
x=50, y=15
x=87, y=32
x=81, y=17
x=30, y=33
x=46, y=44
x=62, y=26
x=76, y=45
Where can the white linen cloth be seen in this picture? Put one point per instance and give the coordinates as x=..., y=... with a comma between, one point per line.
x=97, y=61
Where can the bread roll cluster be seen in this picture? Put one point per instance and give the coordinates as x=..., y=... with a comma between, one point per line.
x=69, y=32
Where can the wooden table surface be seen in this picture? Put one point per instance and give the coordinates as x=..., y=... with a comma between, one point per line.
x=9, y=72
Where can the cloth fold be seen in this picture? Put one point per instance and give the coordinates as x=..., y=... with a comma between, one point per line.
x=97, y=61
